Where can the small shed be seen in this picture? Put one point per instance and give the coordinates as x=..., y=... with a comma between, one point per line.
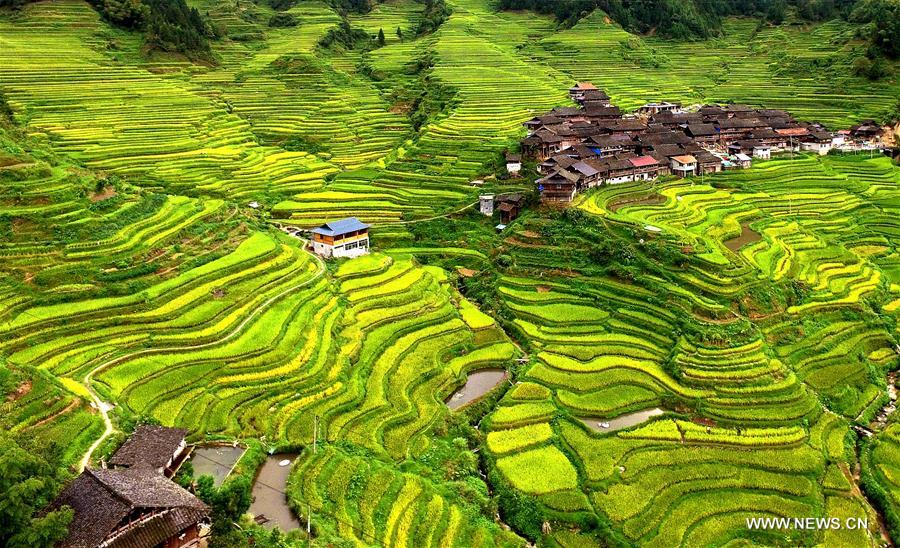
x=763, y=152
x=486, y=204
x=513, y=163
x=510, y=207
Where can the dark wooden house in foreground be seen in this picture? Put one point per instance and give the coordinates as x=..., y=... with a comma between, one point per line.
x=134, y=505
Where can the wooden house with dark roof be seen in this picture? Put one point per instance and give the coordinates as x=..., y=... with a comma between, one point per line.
x=594, y=96
x=557, y=161
x=703, y=133
x=159, y=447
x=577, y=91
x=666, y=137
x=626, y=126
x=590, y=177
x=595, y=111
x=707, y=162
x=868, y=130
x=559, y=186
x=731, y=129
x=542, y=143
x=510, y=207
x=607, y=145
x=130, y=508
x=819, y=141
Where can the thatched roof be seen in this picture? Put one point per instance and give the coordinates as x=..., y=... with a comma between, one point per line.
x=103, y=499
x=152, y=445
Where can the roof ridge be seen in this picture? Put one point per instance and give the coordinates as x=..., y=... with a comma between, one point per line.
x=109, y=488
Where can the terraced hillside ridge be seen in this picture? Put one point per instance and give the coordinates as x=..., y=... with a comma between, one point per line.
x=662, y=385
x=370, y=502
x=53, y=414
x=329, y=132
x=373, y=355
x=776, y=345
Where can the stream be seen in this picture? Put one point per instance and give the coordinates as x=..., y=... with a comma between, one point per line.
x=881, y=419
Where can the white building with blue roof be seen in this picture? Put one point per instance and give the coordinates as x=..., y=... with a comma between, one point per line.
x=344, y=238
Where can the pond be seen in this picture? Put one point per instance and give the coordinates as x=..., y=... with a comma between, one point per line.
x=747, y=236
x=216, y=461
x=477, y=384
x=622, y=421
x=270, y=506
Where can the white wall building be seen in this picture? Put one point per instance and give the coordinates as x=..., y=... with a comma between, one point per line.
x=344, y=238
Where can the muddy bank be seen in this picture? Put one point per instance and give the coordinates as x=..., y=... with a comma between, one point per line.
x=477, y=385
x=747, y=236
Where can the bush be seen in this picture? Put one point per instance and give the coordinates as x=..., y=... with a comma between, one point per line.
x=280, y=20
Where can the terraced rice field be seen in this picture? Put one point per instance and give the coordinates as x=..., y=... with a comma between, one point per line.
x=275, y=350
x=761, y=318
x=370, y=502
x=748, y=369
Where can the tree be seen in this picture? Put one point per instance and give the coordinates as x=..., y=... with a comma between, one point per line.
x=883, y=18
x=229, y=502
x=777, y=12
x=380, y=37
x=127, y=13
x=27, y=485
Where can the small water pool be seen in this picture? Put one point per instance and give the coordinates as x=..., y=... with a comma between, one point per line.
x=477, y=384
x=270, y=507
x=216, y=461
x=622, y=421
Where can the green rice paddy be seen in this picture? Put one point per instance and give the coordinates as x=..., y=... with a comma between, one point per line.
x=761, y=318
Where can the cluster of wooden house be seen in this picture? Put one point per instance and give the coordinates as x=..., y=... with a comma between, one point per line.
x=596, y=143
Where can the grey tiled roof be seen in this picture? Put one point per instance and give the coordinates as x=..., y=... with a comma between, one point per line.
x=153, y=445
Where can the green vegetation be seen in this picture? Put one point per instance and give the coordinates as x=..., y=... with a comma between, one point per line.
x=131, y=263
x=27, y=484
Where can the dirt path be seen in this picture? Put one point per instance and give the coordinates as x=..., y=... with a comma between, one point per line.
x=73, y=404
x=104, y=407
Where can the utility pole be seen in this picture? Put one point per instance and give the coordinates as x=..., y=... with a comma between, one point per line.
x=309, y=523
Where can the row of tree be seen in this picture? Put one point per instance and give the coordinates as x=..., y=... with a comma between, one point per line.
x=168, y=25
x=698, y=19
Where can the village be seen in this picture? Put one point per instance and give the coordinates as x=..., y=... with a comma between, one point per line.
x=577, y=148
